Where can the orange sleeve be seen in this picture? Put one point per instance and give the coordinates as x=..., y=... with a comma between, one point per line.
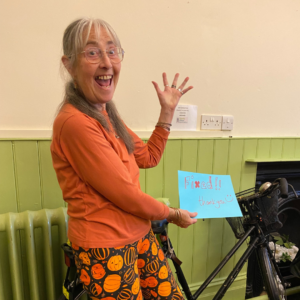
x=97, y=164
x=148, y=155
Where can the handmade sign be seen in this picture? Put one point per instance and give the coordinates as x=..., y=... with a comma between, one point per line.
x=211, y=196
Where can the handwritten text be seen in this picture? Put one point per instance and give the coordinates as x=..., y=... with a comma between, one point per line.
x=195, y=184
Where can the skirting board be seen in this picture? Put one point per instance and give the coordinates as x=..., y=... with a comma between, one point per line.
x=235, y=292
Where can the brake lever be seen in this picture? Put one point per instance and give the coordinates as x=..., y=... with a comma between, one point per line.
x=295, y=193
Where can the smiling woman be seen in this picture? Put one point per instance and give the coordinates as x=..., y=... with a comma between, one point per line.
x=97, y=159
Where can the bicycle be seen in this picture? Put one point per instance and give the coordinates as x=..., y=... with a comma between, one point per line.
x=259, y=208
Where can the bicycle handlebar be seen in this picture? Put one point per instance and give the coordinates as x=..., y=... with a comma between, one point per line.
x=283, y=187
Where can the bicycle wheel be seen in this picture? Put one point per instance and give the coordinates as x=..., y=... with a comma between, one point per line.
x=273, y=286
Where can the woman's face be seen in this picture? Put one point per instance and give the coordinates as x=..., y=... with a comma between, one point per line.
x=97, y=81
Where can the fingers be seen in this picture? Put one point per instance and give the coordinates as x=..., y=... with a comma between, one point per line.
x=186, y=219
x=181, y=87
x=156, y=87
x=165, y=80
x=174, y=84
x=187, y=89
x=184, y=83
x=175, y=80
x=193, y=214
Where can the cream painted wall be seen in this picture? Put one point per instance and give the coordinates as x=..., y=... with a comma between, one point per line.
x=242, y=57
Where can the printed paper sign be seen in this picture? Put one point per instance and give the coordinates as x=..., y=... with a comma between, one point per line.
x=211, y=196
x=185, y=117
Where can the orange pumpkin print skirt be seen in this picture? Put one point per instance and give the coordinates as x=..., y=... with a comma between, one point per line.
x=127, y=273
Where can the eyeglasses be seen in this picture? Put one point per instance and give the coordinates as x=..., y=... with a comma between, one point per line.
x=94, y=55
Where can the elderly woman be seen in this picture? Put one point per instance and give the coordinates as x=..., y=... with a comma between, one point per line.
x=97, y=159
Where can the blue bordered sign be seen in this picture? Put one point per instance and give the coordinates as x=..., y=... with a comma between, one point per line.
x=211, y=196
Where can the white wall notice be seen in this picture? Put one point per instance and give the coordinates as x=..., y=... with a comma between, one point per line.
x=185, y=117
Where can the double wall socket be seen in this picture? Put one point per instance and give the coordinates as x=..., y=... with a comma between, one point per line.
x=211, y=122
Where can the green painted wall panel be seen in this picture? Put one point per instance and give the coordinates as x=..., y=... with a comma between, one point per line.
x=51, y=192
x=235, y=156
x=8, y=201
x=220, y=162
x=30, y=183
x=297, y=148
x=205, y=156
x=185, y=235
x=201, y=228
x=28, y=175
x=154, y=180
x=248, y=173
x=221, y=230
x=248, y=176
x=215, y=242
x=171, y=166
x=263, y=148
x=276, y=148
x=288, y=150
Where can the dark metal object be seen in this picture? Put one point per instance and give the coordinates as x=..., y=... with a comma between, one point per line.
x=252, y=225
x=223, y=262
x=221, y=292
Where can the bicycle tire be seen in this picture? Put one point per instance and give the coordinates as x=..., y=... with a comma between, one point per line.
x=273, y=287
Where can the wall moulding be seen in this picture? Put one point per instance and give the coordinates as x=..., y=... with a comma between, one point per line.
x=144, y=134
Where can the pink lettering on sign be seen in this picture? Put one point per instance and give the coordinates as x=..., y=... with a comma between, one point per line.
x=209, y=184
x=186, y=181
x=215, y=203
x=189, y=183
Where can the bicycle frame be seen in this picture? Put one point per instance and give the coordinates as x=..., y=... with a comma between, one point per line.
x=231, y=277
x=258, y=239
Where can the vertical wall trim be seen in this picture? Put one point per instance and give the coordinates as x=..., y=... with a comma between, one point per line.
x=193, y=244
x=242, y=163
x=270, y=148
x=224, y=220
x=282, y=148
x=257, y=145
x=209, y=228
x=40, y=173
x=180, y=164
x=15, y=175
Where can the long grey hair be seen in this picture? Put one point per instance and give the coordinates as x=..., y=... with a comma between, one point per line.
x=74, y=40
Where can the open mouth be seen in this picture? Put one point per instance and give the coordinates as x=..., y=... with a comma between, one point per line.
x=104, y=80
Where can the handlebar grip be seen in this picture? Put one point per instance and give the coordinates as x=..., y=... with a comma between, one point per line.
x=283, y=188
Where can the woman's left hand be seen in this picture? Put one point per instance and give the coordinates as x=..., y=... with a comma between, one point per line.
x=170, y=96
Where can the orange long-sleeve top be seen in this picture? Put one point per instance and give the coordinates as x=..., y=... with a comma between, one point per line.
x=100, y=180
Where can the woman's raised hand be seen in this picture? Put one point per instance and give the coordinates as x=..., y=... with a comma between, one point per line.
x=169, y=97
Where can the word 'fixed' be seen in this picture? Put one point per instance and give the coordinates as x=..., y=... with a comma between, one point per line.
x=189, y=182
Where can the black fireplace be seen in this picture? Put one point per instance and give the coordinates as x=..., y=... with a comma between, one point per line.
x=269, y=171
x=288, y=209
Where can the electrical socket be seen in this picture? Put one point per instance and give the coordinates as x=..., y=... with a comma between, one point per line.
x=211, y=122
x=227, y=123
